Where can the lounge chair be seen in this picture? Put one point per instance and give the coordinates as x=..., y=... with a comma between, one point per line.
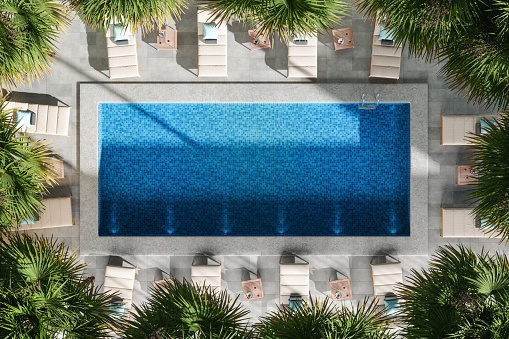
x=303, y=57
x=121, y=279
x=41, y=119
x=293, y=282
x=457, y=128
x=212, y=47
x=461, y=223
x=122, y=52
x=207, y=275
x=57, y=213
x=385, y=57
x=386, y=275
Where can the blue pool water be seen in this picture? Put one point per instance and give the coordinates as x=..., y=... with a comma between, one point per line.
x=253, y=170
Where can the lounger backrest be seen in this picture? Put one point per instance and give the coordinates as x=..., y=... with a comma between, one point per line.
x=460, y=223
x=385, y=60
x=457, y=128
x=208, y=275
x=121, y=279
x=122, y=59
x=303, y=59
x=57, y=213
x=51, y=120
x=385, y=278
x=212, y=58
x=293, y=280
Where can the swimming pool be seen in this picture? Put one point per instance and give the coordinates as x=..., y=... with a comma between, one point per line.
x=259, y=169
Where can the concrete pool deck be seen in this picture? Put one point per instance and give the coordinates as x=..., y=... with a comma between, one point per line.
x=91, y=94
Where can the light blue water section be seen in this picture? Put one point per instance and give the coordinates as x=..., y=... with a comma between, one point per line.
x=253, y=170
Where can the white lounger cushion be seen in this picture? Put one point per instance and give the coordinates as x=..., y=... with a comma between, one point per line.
x=122, y=59
x=52, y=120
x=57, y=213
x=456, y=128
x=208, y=275
x=212, y=58
x=460, y=223
x=303, y=59
x=385, y=60
x=385, y=277
x=293, y=280
x=121, y=279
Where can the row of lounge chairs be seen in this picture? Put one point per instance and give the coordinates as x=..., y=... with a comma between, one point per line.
x=457, y=131
x=46, y=120
x=293, y=282
x=213, y=52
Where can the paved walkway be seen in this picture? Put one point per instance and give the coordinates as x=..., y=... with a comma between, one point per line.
x=82, y=58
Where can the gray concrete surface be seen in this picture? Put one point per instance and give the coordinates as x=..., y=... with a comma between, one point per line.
x=82, y=58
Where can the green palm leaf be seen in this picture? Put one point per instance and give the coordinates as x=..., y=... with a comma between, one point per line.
x=141, y=15
x=323, y=320
x=43, y=293
x=285, y=18
x=490, y=156
x=29, y=31
x=461, y=295
x=470, y=37
x=184, y=310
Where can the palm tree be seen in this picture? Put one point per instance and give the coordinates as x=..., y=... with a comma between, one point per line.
x=141, y=15
x=26, y=171
x=287, y=18
x=469, y=36
x=183, y=310
x=322, y=320
x=43, y=293
x=29, y=31
x=490, y=156
x=461, y=295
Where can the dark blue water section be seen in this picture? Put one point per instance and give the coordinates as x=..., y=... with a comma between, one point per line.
x=254, y=170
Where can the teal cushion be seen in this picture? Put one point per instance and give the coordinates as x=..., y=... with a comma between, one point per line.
x=210, y=31
x=484, y=225
x=391, y=306
x=119, y=33
x=117, y=308
x=484, y=125
x=28, y=222
x=294, y=304
x=385, y=34
x=24, y=118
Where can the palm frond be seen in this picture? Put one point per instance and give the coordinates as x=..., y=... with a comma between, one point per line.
x=284, y=18
x=471, y=37
x=43, y=293
x=490, y=156
x=460, y=295
x=26, y=171
x=142, y=16
x=184, y=310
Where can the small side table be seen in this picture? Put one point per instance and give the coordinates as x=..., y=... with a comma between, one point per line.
x=169, y=41
x=346, y=34
x=263, y=40
x=465, y=175
x=343, y=287
x=255, y=287
x=161, y=283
